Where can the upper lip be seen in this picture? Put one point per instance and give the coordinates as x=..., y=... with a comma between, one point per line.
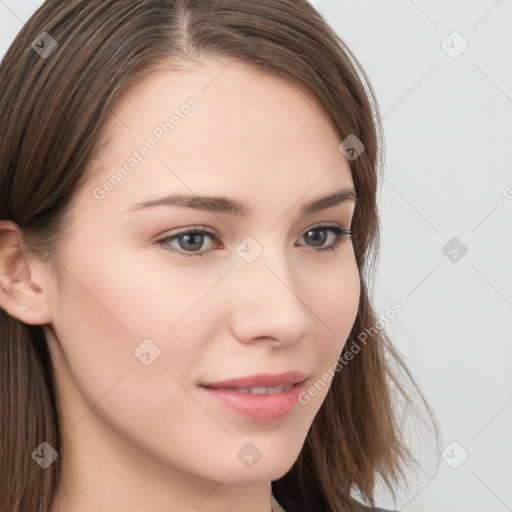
x=260, y=380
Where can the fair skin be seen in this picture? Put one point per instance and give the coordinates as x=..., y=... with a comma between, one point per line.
x=143, y=438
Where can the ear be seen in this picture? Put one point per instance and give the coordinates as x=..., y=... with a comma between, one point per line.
x=23, y=286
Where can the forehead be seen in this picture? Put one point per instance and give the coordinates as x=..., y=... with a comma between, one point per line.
x=219, y=125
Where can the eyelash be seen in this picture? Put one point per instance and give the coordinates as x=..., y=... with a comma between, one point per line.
x=341, y=235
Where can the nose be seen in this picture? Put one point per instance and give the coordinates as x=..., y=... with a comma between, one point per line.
x=269, y=303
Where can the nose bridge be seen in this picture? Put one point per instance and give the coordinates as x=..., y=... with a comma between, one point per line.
x=268, y=303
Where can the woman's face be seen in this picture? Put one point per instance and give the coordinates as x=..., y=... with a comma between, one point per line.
x=141, y=320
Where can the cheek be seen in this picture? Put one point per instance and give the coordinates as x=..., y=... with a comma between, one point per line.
x=104, y=315
x=124, y=315
x=105, y=312
x=349, y=304
x=333, y=297
x=335, y=305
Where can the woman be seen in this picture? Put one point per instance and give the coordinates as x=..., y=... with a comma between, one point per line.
x=135, y=135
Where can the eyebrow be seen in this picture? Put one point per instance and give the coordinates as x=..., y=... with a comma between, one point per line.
x=229, y=206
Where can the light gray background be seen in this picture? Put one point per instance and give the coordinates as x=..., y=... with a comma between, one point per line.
x=448, y=127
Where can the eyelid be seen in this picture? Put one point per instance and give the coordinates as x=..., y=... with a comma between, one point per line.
x=188, y=229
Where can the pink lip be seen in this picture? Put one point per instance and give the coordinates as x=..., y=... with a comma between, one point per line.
x=261, y=380
x=257, y=407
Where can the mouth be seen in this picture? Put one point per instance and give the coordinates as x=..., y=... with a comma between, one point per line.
x=258, y=390
x=258, y=397
x=261, y=380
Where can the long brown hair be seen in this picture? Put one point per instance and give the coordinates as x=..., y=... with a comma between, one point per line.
x=53, y=107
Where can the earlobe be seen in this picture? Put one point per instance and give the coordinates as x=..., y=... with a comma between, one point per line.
x=23, y=290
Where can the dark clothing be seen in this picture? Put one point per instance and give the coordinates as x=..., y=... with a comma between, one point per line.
x=361, y=508
x=295, y=501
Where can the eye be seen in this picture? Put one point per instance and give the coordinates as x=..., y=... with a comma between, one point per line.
x=340, y=235
x=190, y=242
x=193, y=241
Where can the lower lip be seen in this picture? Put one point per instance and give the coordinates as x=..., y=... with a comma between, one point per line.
x=258, y=407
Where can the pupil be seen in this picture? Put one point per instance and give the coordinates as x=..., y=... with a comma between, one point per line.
x=320, y=238
x=197, y=245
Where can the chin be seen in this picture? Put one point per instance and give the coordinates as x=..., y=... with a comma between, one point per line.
x=262, y=471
